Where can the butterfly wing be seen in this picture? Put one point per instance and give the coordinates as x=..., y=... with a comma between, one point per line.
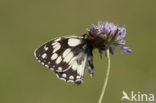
x=76, y=71
x=67, y=56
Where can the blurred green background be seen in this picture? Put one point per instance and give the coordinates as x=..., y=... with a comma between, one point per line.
x=27, y=24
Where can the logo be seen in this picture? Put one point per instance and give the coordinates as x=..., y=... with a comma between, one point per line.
x=137, y=97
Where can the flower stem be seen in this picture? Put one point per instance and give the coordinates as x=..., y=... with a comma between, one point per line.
x=106, y=79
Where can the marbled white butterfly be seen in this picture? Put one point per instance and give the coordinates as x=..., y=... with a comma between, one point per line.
x=69, y=56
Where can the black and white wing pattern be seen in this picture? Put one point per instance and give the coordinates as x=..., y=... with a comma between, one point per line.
x=67, y=57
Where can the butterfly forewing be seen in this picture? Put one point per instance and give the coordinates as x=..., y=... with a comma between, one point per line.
x=67, y=56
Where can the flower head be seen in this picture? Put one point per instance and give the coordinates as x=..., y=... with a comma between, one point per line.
x=108, y=36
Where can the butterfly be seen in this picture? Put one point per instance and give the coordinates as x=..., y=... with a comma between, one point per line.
x=68, y=57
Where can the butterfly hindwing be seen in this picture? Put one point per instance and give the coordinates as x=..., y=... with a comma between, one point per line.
x=67, y=56
x=76, y=71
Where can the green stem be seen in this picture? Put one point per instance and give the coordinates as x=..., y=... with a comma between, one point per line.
x=106, y=79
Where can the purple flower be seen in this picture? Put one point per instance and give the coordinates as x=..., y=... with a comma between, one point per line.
x=108, y=36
